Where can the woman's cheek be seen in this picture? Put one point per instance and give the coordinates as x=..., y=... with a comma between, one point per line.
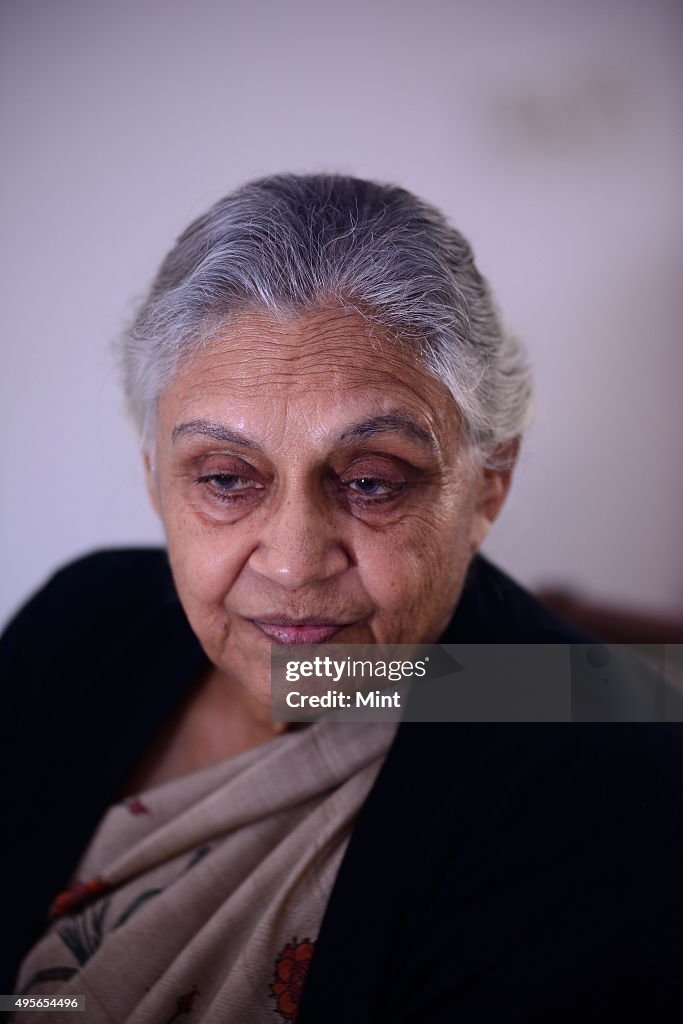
x=422, y=577
x=393, y=571
x=199, y=553
x=198, y=579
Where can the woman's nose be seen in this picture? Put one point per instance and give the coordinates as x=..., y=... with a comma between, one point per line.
x=299, y=544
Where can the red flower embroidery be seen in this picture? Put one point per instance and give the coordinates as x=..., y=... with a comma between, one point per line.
x=291, y=968
x=78, y=896
x=136, y=806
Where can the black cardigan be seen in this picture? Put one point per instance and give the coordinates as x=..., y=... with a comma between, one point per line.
x=510, y=872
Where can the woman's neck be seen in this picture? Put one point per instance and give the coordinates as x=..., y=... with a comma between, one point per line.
x=216, y=720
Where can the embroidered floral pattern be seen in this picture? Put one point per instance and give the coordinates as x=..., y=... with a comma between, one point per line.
x=136, y=806
x=84, y=934
x=291, y=968
x=78, y=896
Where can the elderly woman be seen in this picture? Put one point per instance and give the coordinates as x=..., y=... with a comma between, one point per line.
x=329, y=414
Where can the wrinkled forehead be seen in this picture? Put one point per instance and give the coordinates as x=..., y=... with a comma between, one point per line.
x=308, y=375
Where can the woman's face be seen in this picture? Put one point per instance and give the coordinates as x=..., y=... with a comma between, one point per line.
x=313, y=489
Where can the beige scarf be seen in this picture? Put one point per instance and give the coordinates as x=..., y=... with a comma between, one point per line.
x=203, y=896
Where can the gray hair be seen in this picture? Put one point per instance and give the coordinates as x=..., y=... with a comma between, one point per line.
x=289, y=244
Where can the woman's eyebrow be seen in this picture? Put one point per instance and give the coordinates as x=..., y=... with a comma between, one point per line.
x=386, y=423
x=392, y=422
x=217, y=431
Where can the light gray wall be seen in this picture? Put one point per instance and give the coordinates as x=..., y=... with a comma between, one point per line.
x=549, y=132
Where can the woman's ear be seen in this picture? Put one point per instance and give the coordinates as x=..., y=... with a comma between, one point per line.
x=151, y=481
x=491, y=491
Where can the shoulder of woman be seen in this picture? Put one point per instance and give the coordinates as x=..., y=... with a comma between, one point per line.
x=81, y=614
x=495, y=608
x=104, y=581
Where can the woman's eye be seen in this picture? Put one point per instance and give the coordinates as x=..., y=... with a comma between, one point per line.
x=228, y=486
x=367, y=485
x=373, y=487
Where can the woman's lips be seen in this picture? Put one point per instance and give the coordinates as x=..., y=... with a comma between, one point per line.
x=299, y=633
